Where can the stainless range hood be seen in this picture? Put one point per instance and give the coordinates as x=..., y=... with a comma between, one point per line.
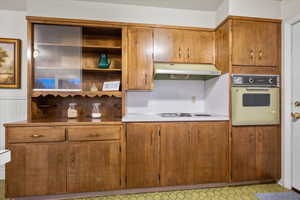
x=166, y=71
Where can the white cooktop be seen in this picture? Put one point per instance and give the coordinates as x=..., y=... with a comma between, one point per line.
x=156, y=117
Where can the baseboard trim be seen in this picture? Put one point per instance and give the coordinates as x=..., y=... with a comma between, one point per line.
x=141, y=190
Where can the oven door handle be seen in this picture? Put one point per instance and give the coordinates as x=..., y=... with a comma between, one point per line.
x=258, y=89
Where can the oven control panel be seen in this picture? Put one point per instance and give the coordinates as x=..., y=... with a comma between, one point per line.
x=255, y=80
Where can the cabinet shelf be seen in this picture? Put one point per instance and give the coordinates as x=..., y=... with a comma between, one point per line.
x=102, y=70
x=94, y=69
x=86, y=46
x=77, y=93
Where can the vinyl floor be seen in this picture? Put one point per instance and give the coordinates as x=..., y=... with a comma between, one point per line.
x=224, y=193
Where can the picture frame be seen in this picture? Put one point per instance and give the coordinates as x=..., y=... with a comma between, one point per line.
x=111, y=86
x=10, y=63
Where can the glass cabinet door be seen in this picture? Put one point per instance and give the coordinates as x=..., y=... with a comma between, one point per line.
x=57, y=57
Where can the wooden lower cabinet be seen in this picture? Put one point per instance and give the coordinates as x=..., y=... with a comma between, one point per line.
x=36, y=169
x=94, y=166
x=211, y=153
x=176, y=154
x=74, y=159
x=169, y=154
x=268, y=152
x=256, y=153
x=157, y=154
x=194, y=153
x=142, y=156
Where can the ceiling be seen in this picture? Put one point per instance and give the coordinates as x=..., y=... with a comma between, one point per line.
x=208, y=5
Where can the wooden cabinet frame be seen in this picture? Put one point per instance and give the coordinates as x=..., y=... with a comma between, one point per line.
x=223, y=61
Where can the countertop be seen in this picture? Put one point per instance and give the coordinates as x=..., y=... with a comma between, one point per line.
x=156, y=118
x=5, y=156
x=71, y=122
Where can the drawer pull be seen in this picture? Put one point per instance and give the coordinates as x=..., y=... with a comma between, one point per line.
x=36, y=136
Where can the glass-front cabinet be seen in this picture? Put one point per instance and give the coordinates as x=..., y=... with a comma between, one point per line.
x=75, y=65
x=57, y=57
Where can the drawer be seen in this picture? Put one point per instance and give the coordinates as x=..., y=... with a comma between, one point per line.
x=94, y=133
x=35, y=134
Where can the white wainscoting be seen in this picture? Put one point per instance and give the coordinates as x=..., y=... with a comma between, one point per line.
x=11, y=109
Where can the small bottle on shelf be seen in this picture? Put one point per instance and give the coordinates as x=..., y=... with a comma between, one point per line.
x=94, y=88
x=72, y=111
x=96, y=111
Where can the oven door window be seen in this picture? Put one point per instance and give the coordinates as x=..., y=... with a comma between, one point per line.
x=255, y=100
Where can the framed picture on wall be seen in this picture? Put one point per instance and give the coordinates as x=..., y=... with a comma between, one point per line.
x=10, y=63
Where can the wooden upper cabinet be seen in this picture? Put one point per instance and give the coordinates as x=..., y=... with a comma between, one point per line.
x=268, y=44
x=244, y=42
x=36, y=169
x=142, y=155
x=199, y=47
x=169, y=45
x=140, y=58
x=183, y=46
x=255, y=43
x=256, y=153
x=94, y=166
x=222, y=47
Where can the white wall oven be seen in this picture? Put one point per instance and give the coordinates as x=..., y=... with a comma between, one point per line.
x=255, y=100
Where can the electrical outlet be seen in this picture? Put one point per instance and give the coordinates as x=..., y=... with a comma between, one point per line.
x=194, y=99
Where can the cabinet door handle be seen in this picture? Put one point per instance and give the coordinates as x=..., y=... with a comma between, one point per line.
x=146, y=79
x=188, y=55
x=251, y=54
x=189, y=134
x=260, y=55
x=179, y=52
x=151, y=139
x=72, y=159
x=36, y=136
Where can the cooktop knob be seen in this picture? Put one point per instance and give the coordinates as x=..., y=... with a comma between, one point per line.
x=251, y=80
x=271, y=80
